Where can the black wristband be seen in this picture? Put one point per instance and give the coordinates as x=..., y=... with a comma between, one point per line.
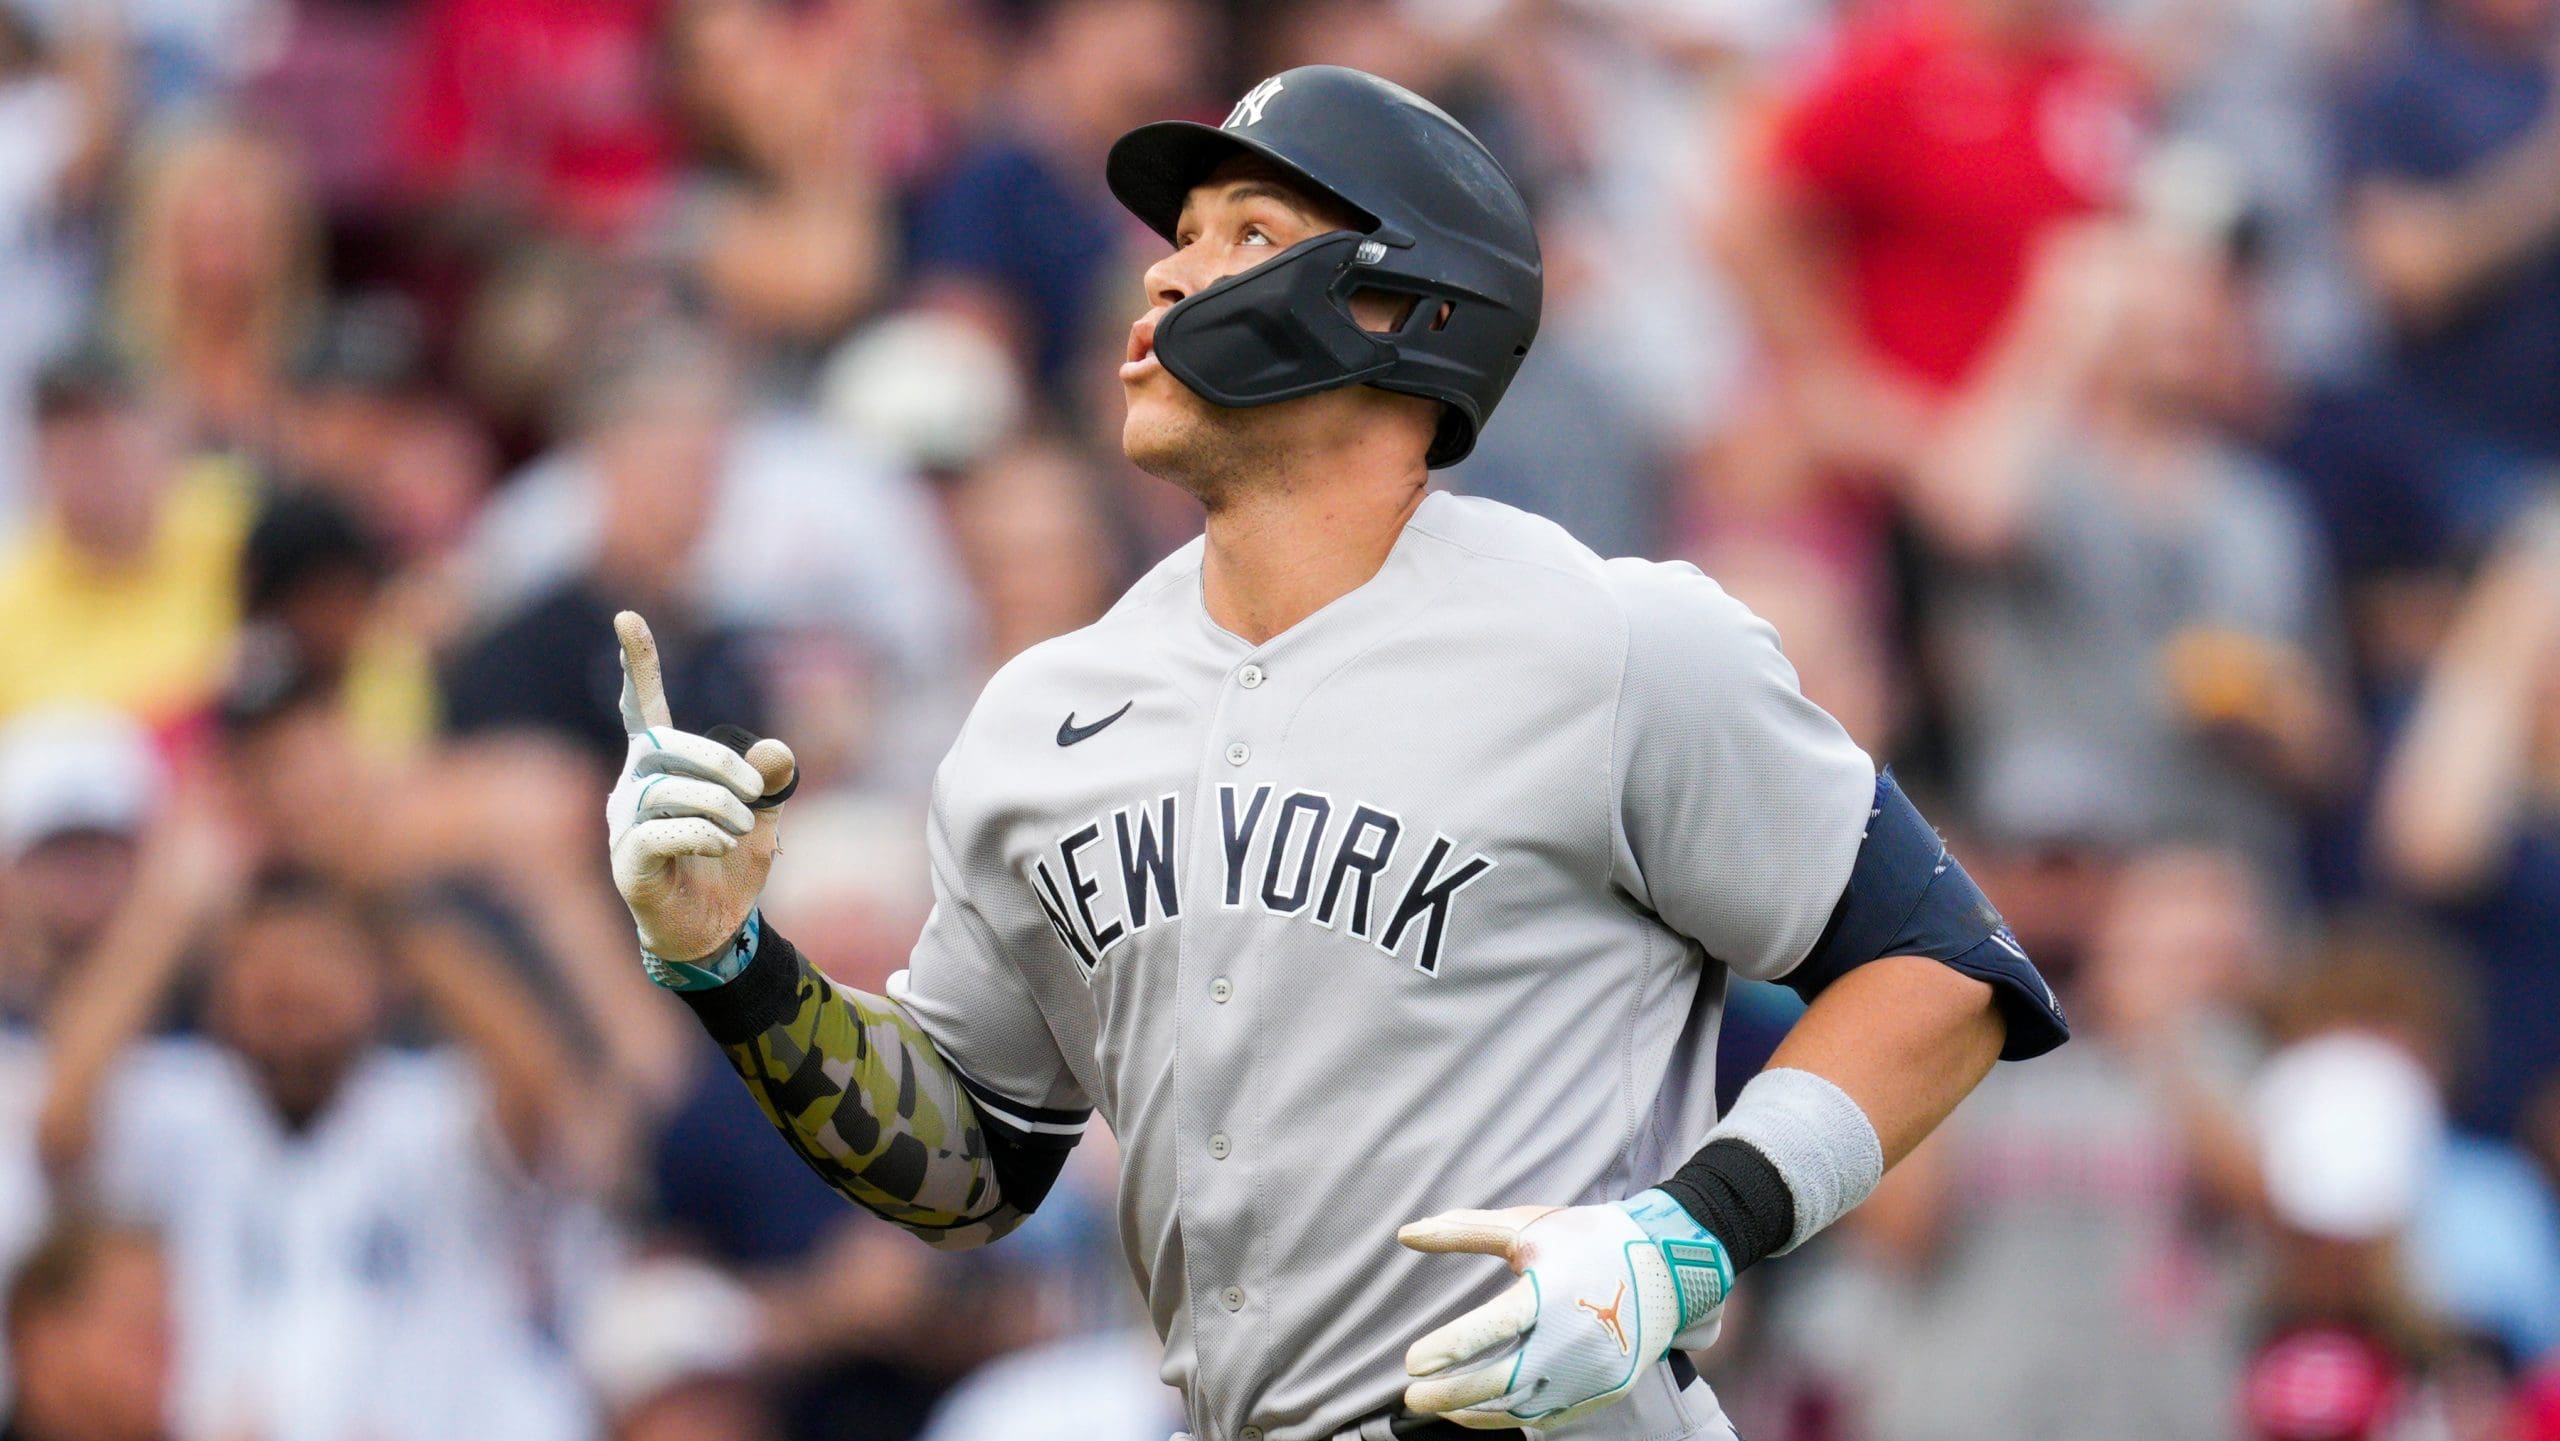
x=763, y=995
x=1738, y=1195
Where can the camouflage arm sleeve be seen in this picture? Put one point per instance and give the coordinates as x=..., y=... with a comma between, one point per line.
x=865, y=1098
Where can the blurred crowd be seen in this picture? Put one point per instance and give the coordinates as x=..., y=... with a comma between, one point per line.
x=2136, y=415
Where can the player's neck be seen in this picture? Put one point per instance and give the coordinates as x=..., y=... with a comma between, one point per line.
x=1278, y=554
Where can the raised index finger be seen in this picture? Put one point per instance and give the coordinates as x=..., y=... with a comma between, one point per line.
x=644, y=690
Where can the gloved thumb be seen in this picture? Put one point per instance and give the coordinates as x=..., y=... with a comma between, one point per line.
x=776, y=766
x=777, y=770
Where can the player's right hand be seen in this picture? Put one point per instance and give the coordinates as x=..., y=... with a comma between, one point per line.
x=690, y=846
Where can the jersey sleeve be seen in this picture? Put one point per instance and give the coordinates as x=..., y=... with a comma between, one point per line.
x=1740, y=803
x=944, y=1108
x=965, y=990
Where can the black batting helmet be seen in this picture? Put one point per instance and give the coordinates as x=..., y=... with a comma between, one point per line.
x=1441, y=223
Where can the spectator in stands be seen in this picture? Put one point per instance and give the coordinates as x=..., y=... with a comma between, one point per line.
x=309, y=794
x=89, y=1336
x=354, y=1227
x=175, y=59
x=2537, y=1415
x=1020, y=234
x=1098, y=1387
x=121, y=592
x=2452, y=150
x=2541, y=1138
x=78, y=784
x=793, y=224
x=539, y=111
x=323, y=70
x=670, y=1347
x=2349, y=1128
x=643, y=484
x=1036, y=550
x=2246, y=99
x=217, y=281
x=365, y=424
x=1632, y=287
x=2131, y=612
x=2480, y=1247
x=1863, y=233
x=312, y=578
x=55, y=110
x=2449, y=142
x=2052, y=1266
x=674, y=471
x=2468, y=817
x=929, y=389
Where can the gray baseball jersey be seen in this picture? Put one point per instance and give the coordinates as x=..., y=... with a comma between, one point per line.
x=1427, y=902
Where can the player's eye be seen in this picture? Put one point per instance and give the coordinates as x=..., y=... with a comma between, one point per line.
x=1256, y=235
x=1182, y=239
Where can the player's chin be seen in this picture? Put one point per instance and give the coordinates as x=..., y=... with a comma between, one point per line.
x=1161, y=431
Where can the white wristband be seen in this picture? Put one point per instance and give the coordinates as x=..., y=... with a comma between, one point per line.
x=1823, y=1146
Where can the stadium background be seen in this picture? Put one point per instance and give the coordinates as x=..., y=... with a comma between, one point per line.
x=2135, y=418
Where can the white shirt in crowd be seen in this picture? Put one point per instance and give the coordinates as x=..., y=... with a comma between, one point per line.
x=1100, y=1387
x=377, y=1278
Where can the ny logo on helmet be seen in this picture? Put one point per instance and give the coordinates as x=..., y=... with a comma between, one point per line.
x=1248, y=111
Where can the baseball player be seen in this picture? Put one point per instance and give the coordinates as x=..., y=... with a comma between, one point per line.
x=1375, y=866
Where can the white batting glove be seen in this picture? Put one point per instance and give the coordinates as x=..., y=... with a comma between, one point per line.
x=1605, y=1292
x=690, y=847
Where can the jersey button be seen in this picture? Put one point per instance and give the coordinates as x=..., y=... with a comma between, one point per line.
x=1250, y=677
x=1218, y=1146
x=1250, y=1433
x=1220, y=989
x=1232, y=1298
x=1239, y=753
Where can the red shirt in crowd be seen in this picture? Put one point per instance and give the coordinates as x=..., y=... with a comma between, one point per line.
x=1942, y=158
x=2538, y=1405
x=555, y=105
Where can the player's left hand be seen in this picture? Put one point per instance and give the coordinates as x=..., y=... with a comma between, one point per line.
x=1605, y=1292
x=690, y=826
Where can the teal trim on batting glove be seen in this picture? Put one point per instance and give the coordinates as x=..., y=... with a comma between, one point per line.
x=1701, y=1269
x=717, y=969
x=1605, y=1292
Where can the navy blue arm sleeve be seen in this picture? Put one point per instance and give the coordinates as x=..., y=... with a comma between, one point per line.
x=1907, y=896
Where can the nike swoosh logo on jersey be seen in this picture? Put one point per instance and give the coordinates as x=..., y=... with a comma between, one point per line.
x=1069, y=732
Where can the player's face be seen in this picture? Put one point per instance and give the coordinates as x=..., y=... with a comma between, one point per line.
x=1243, y=215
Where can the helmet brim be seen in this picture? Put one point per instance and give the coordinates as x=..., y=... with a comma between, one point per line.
x=1154, y=168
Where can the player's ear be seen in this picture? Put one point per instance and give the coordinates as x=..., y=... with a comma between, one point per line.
x=1382, y=312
